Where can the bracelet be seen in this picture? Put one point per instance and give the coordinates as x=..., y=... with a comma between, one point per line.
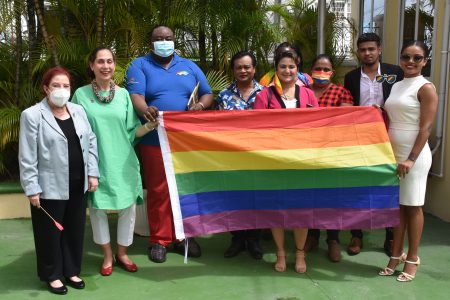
x=150, y=129
x=203, y=106
x=412, y=157
x=379, y=107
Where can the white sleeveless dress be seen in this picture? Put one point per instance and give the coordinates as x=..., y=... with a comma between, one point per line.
x=403, y=108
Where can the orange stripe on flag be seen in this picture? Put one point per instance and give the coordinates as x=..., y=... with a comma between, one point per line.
x=279, y=139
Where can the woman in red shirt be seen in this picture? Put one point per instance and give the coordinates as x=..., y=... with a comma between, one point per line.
x=328, y=95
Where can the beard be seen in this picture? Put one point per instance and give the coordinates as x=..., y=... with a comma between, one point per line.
x=370, y=63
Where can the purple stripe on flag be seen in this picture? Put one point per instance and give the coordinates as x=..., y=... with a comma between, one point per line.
x=324, y=218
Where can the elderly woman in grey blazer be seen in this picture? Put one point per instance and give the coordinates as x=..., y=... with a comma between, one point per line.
x=58, y=164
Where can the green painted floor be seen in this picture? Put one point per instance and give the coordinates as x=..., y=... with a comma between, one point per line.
x=214, y=277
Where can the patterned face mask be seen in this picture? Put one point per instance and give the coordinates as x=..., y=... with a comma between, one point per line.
x=321, y=78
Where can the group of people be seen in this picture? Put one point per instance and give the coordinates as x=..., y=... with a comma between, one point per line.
x=67, y=149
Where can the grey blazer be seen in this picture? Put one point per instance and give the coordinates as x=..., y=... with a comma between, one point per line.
x=43, y=151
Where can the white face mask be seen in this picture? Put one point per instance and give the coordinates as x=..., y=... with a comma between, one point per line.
x=163, y=48
x=59, y=97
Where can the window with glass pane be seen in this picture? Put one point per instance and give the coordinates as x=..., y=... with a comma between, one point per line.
x=373, y=16
x=344, y=37
x=418, y=25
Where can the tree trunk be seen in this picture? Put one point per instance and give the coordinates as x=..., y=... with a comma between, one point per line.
x=215, y=63
x=48, y=39
x=165, y=10
x=18, y=30
x=32, y=39
x=39, y=37
x=202, y=35
x=202, y=48
x=99, y=21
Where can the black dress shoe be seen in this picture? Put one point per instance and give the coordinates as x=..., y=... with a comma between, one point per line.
x=79, y=285
x=193, y=248
x=235, y=248
x=62, y=290
x=157, y=253
x=254, y=249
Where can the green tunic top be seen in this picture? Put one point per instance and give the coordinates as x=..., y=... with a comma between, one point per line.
x=114, y=124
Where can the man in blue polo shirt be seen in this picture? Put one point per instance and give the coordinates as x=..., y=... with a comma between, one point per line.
x=163, y=81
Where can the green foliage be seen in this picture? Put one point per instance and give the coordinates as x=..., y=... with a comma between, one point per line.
x=208, y=32
x=300, y=28
x=217, y=81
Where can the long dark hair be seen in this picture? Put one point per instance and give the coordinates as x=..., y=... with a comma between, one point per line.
x=93, y=56
x=419, y=44
x=283, y=48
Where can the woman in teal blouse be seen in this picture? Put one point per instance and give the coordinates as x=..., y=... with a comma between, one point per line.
x=114, y=121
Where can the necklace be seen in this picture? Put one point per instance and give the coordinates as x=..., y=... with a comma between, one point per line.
x=286, y=96
x=110, y=96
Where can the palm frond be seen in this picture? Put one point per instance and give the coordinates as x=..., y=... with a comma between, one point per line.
x=9, y=125
x=7, y=92
x=217, y=80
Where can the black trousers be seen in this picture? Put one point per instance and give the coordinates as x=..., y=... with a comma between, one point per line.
x=243, y=235
x=59, y=253
x=359, y=234
x=332, y=234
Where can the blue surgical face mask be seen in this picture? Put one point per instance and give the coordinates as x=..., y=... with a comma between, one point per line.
x=163, y=48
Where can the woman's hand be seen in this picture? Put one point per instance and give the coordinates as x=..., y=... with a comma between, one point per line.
x=34, y=200
x=151, y=114
x=150, y=125
x=146, y=128
x=92, y=183
x=380, y=109
x=404, y=167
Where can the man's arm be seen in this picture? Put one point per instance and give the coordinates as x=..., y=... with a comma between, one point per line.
x=204, y=90
x=139, y=104
x=150, y=113
x=204, y=102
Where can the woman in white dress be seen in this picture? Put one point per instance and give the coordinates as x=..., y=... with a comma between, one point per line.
x=411, y=108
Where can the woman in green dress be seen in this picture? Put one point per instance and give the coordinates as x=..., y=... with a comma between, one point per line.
x=116, y=125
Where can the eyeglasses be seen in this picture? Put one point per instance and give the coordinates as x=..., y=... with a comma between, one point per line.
x=389, y=78
x=322, y=69
x=415, y=58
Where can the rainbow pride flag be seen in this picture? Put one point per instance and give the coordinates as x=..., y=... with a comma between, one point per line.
x=327, y=168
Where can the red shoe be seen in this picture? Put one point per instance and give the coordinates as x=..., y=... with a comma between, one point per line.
x=127, y=267
x=106, y=271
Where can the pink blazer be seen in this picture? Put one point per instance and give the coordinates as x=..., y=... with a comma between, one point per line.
x=269, y=98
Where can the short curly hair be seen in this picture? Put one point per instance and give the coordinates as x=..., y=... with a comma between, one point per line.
x=369, y=37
